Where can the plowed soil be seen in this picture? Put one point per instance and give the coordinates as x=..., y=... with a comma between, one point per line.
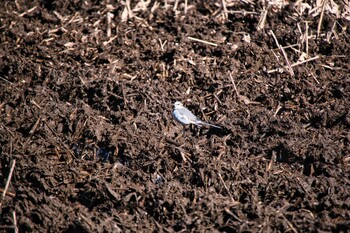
x=88, y=142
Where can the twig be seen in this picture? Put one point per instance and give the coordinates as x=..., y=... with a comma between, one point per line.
x=273, y=159
x=110, y=16
x=17, y=5
x=229, y=212
x=130, y=14
x=279, y=107
x=223, y=3
x=227, y=190
x=33, y=102
x=242, y=98
x=35, y=126
x=307, y=38
x=175, y=5
x=289, y=223
x=243, y=12
x=8, y=181
x=28, y=11
x=202, y=41
x=321, y=18
x=234, y=85
x=294, y=64
x=110, y=40
x=262, y=19
x=346, y=158
x=111, y=191
x=162, y=44
x=9, y=131
x=8, y=193
x=284, y=54
x=4, y=79
x=144, y=6
x=307, y=60
x=14, y=221
x=183, y=156
x=156, y=6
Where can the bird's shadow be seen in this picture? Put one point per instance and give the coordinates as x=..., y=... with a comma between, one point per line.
x=209, y=131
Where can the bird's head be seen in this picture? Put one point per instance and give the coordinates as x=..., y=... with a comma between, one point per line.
x=178, y=104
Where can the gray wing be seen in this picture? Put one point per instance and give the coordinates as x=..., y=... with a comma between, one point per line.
x=188, y=114
x=195, y=120
x=184, y=116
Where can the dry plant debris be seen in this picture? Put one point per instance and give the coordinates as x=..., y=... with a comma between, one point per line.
x=88, y=143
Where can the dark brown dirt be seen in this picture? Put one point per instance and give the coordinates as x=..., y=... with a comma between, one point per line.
x=85, y=113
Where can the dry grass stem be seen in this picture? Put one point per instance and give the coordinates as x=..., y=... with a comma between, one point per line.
x=273, y=159
x=35, y=126
x=201, y=41
x=289, y=223
x=307, y=60
x=346, y=159
x=262, y=20
x=223, y=3
x=227, y=190
x=229, y=212
x=35, y=103
x=18, y=6
x=110, y=16
x=176, y=4
x=13, y=163
x=110, y=40
x=28, y=11
x=130, y=14
x=289, y=67
x=307, y=38
x=14, y=221
x=293, y=65
x=6, y=80
x=242, y=98
x=7, y=193
x=321, y=18
x=279, y=107
x=162, y=44
x=243, y=12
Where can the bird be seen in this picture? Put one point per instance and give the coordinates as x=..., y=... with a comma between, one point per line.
x=186, y=117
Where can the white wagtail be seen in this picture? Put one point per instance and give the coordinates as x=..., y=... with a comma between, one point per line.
x=186, y=117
